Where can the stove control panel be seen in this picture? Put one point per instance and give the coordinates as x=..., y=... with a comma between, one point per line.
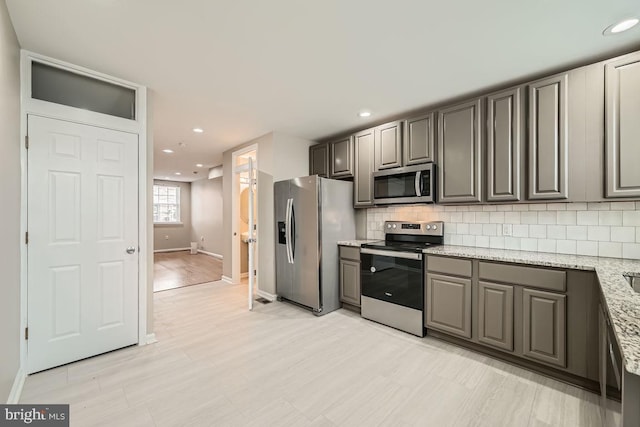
x=423, y=228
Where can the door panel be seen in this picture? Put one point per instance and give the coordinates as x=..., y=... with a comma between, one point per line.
x=419, y=140
x=495, y=315
x=350, y=282
x=363, y=184
x=342, y=158
x=83, y=214
x=448, y=302
x=544, y=323
x=388, y=146
x=319, y=160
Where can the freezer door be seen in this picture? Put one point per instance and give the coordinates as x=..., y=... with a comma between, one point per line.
x=284, y=269
x=306, y=242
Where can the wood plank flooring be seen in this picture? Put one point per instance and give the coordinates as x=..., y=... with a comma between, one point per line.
x=177, y=269
x=217, y=364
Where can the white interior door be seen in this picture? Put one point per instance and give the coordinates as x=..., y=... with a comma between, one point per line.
x=83, y=241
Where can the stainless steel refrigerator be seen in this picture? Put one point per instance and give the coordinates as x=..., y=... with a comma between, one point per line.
x=312, y=214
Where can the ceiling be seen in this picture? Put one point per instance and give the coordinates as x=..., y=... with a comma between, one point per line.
x=240, y=69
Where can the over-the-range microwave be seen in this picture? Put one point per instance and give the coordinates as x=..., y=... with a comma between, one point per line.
x=411, y=184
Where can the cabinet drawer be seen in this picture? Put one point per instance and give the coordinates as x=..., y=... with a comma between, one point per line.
x=455, y=266
x=350, y=252
x=554, y=280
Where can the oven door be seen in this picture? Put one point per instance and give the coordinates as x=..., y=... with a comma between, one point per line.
x=391, y=276
x=412, y=184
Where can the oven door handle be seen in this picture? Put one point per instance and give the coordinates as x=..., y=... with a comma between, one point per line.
x=392, y=254
x=417, y=182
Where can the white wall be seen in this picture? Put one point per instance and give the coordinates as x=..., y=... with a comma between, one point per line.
x=170, y=236
x=10, y=242
x=608, y=229
x=206, y=214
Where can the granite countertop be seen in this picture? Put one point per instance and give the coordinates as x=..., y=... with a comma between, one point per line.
x=355, y=243
x=622, y=302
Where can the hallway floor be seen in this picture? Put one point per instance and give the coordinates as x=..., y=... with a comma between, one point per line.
x=218, y=364
x=177, y=269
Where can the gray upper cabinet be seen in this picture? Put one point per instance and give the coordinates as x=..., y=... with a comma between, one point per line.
x=548, y=138
x=419, y=136
x=460, y=152
x=544, y=327
x=622, y=137
x=363, y=181
x=448, y=303
x=388, y=143
x=495, y=315
x=341, y=159
x=504, y=145
x=319, y=160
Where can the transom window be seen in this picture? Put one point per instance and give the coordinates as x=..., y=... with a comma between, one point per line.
x=166, y=204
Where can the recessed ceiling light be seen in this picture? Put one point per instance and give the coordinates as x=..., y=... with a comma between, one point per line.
x=198, y=130
x=178, y=173
x=364, y=114
x=621, y=26
x=166, y=150
x=199, y=165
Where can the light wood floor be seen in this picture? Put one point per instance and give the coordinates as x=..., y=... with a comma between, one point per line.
x=177, y=269
x=217, y=364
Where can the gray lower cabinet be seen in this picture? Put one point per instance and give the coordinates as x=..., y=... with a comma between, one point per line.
x=341, y=159
x=544, y=326
x=448, y=304
x=505, y=140
x=495, y=315
x=350, y=275
x=388, y=146
x=319, y=160
x=460, y=152
x=364, y=157
x=622, y=135
x=418, y=140
x=548, y=138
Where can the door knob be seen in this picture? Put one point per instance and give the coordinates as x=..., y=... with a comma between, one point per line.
x=131, y=250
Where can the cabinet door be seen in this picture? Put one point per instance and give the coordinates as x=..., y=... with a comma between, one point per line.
x=341, y=159
x=622, y=138
x=388, y=152
x=548, y=138
x=459, y=153
x=350, y=282
x=418, y=140
x=504, y=142
x=495, y=315
x=363, y=181
x=319, y=160
x=544, y=324
x=448, y=302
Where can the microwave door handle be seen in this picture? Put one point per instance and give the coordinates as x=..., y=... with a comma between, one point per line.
x=417, y=184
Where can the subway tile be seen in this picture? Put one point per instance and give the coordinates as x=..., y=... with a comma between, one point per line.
x=529, y=244
x=520, y=230
x=610, y=249
x=623, y=206
x=638, y=206
x=567, y=218
x=556, y=206
x=490, y=229
x=520, y=207
x=631, y=218
x=577, y=232
x=587, y=218
x=462, y=209
x=512, y=217
x=587, y=248
x=610, y=218
x=631, y=250
x=469, y=217
x=482, y=241
x=598, y=206
x=462, y=229
x=538, y=207
x=456, y=217
x=446, y=217
x=566, y=247
x=496, y=218
x=475, y=229
x=529, y=217
x=547, y=217
x=538, y=231
x=578, y=206
x=468, y=240
x=449, y=208
x=637, y=234
x=447, y=239
x=483, y=217
x=456, y=239
x=496, y=242
x=600, y=233
x=623, y=234
x=504, y=208
x=545, y=245
x=512, y=243
x=489, y=208
x=556, y=232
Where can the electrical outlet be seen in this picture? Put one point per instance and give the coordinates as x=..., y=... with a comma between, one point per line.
x=507, y=229
x=166, y=237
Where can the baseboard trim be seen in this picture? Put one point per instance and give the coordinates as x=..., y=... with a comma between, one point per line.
x=16, y=389
x=227, y=279
x=213, y=254
x=151, y=338
x=155, y=251
x=244, y=275
x=266, y=295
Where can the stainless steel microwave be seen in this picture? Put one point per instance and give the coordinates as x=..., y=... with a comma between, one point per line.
x=411, y=184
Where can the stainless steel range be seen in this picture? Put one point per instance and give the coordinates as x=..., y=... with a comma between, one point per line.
x=392, y=274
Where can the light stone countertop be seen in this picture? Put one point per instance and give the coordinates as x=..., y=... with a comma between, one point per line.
x=355, y=243
x=622, y=302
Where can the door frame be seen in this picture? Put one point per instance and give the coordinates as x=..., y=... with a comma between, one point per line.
x=141, y=126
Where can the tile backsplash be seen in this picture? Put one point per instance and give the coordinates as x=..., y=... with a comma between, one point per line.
x=608, y=229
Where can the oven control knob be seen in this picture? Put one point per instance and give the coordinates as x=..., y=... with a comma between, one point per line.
x=428, y=227
x=394, y=226
x=434, y=226
x=373, y=269
x=388, y=225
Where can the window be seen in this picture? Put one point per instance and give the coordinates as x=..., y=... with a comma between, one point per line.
x=166, y=204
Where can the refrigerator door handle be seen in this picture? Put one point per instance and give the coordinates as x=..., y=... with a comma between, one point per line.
x=287, y=226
